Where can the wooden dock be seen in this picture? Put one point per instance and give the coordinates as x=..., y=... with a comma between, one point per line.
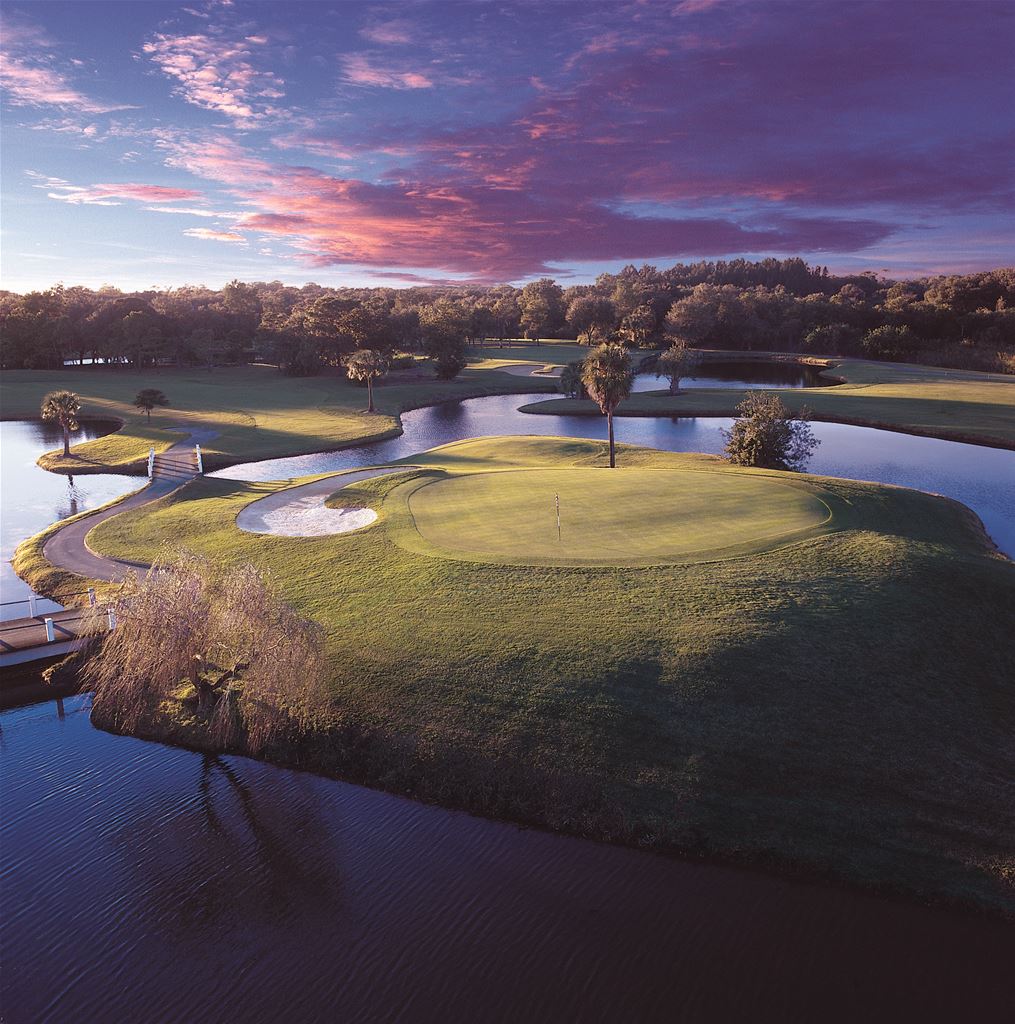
x=28, y=639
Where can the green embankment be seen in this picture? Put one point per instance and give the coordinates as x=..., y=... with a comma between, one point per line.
x=957, y=404
x=257, y=412
x=838, y=703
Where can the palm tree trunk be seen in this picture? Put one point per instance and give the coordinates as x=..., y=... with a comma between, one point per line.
x=613, y=455
x=370, y=394
x=66, y=440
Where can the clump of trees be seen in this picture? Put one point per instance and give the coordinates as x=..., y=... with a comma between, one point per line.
x=675, y=363
x=221, y=646
x=367, y=365
x=442, y=326
x=607, y=375
x=785, y=305
x=768, y=435
x=150, y=398
x=62, y=407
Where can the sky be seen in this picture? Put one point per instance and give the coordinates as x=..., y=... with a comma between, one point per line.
x=150, y=144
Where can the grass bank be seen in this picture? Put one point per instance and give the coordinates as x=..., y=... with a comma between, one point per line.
x=834, y=702
x=959, y=405
x=257, y=412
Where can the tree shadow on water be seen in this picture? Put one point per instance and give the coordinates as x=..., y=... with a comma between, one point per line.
x=239, y=855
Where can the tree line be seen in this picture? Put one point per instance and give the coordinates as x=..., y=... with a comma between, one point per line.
x=785, y=305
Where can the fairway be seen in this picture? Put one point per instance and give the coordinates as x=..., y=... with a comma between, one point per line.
x=631, y=516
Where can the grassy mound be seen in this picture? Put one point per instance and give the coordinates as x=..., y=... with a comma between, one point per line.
x=621, y=517
x=840, y=704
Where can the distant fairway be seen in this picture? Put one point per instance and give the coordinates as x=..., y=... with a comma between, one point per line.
x=632, y=516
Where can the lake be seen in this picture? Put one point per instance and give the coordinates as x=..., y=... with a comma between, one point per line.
x=144, y=882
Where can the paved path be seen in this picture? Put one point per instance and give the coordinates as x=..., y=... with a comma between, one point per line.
x=300, y=511
x=67, y=548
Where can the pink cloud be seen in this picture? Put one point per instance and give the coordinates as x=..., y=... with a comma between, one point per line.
x=486, y=232
x=217, y=74
x=209, y=234
x=360, y=69
x=99, y=195
x=34, y=85
x=395, y=32
x=693, y=7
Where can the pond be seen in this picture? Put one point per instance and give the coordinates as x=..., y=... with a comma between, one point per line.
x=34, y=498
x=742, y=373
x=144, y=882
x=148, y=883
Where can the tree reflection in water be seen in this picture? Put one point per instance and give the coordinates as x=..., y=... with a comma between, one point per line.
x=235, y=856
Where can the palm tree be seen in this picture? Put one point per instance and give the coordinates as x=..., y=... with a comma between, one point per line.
x=148, y=398
x=63, y=407
x=606, y=374
x=366, y=364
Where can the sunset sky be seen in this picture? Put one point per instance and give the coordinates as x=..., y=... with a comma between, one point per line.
x=153, y=144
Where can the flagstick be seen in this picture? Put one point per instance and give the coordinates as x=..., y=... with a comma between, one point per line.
x=556, y=499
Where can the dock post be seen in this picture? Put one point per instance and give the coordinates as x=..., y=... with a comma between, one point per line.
x=111, y=617
x=200, y=461
x=151, y=462
x=50, y=632
x=91, y=597
x=33, y=608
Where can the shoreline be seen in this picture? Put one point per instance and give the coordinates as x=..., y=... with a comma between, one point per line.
x=358, y=772
x=533, y=409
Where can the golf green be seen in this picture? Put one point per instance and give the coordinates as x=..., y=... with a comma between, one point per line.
x=632, y=516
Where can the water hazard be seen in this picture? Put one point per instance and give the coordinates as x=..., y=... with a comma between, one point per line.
x=143, y=882
x=147, y=883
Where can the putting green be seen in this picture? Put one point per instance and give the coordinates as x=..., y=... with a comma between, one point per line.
x=632, y=516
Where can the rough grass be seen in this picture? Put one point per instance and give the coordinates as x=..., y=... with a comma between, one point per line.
x=961, y=405
x=841, y=705
x=257, y=412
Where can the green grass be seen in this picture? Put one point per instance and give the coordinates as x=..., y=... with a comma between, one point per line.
x=625, y=517
x=549, y=353
x=956, y=404
x=839, y=704
x=257, y=412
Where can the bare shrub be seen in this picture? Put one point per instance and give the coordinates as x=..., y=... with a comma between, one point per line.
x=222, y=643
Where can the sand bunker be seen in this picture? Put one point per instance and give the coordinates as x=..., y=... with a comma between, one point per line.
x=301, y=511
x=532, y=370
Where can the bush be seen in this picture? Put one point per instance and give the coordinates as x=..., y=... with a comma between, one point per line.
x=675, y=363
x=890, y=343
x=571, y=380
x=832, y=339
x=447, y=355
x=222, y=644
x=769, y=436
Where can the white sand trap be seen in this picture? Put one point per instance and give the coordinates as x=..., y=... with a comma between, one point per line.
x=301, y=512
x=531, y=370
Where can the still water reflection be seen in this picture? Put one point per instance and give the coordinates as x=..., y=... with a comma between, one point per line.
x=147, y=883
x=34, y=498
x=742, y=374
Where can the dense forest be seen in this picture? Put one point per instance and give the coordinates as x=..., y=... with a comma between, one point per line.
x=965, y=321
